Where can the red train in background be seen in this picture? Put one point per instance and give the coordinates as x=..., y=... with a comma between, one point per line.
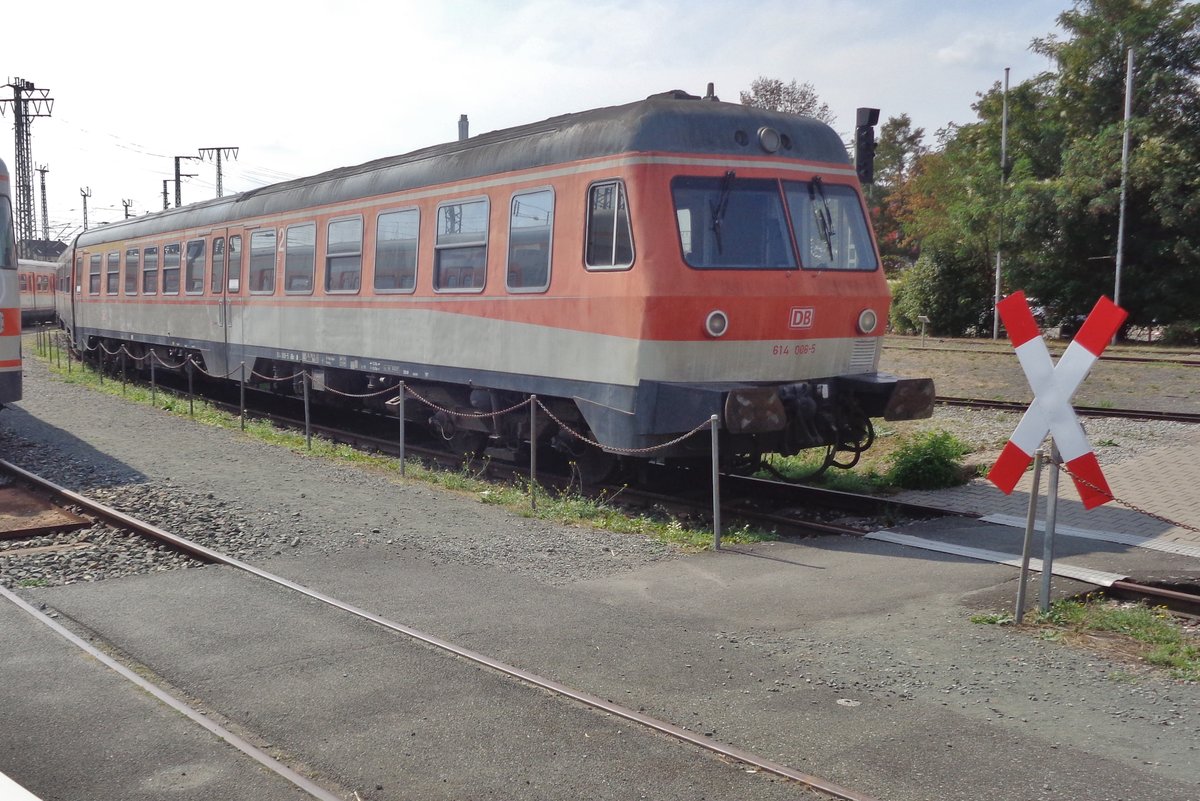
x=10, y=301
x=37, y=284
x=639, y=268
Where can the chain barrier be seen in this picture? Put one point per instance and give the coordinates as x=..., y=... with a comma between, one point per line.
x=1127, y=504
x=474, y=415
x=339, y=393
x=197, y=366
x=624, y=451
x=292, y=377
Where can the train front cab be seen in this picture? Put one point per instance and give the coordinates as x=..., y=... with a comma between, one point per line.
x=765, y=305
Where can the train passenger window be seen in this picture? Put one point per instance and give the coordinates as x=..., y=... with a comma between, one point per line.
x=22, y=282
x=112, y=277
x=218, y=266
x=731, y=223
x=343, y=255
x=460, y=252
x=830, y=226
x=396, y=251
x=43, y=283
x=170, y=271
x=94, y=273
x=609, y=238
x=193, y=274
x=133, y=269
x=530, y=223
x=150, y=271
x=299, y=258
x=262, y=261
x=235, y=264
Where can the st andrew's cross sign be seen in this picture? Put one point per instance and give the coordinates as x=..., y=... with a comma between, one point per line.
x=1053, y=387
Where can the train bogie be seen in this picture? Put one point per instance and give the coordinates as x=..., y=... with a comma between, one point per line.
x=639, y=268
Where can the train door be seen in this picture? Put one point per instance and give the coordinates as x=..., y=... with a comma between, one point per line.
x=227, y=280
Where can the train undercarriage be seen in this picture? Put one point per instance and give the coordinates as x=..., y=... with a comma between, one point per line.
x=831, y=417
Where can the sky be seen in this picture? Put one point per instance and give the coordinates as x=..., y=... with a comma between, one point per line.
x=308, y=86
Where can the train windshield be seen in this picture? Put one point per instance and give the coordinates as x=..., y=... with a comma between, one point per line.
x=830, y=227
x=732, y=223
x=8, y=242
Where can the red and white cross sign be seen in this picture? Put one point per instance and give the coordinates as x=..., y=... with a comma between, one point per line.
x=1053, y=387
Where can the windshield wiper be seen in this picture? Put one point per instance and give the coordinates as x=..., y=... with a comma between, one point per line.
x=718, y=209
x=823, y=214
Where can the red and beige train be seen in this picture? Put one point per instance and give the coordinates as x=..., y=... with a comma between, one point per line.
x=36, y=284
x=639, y=268
x=10, y=300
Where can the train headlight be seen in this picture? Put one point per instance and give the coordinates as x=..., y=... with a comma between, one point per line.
x=768, y=138
x=867, y=321
x=716, y=324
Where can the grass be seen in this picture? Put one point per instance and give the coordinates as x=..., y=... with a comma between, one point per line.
x=917, y=459
x=568, y=507
x=1137, y=632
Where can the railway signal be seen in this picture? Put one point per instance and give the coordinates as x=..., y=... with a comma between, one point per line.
x=1053, y=386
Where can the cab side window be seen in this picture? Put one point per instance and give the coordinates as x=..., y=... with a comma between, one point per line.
x=609, y=244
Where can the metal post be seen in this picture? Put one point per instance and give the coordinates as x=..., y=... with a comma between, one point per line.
x=1051, y=515
x=400, y=412
x=123, y=377
x=1029, y=521
x=191, y=397
x=307, y=417
x=242, y=396
x=69, y=358
x=533, y=402
x=1124, y=179
x=716, y=485
x=153, y=382
x=100, y=361
x=1003, y=180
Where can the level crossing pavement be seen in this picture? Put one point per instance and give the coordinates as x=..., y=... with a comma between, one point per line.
x=1164, y=482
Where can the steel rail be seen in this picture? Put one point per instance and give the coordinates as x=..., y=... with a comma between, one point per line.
x=1086, y=411
x=1165, y=359
x=582, y=696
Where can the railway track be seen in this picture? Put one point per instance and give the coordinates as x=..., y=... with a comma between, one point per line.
x=1183, y=360
x=57, y=495
x=1086, y=411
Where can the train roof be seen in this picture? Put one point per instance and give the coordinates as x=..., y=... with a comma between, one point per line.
x=672, y=122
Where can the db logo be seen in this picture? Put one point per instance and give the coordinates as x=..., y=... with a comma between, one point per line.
x=801, y=318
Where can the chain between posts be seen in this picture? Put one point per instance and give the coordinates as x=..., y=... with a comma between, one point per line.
x=1128, y=505
x=624, y=451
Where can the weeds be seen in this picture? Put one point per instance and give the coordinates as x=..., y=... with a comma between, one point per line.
x=1147, y=634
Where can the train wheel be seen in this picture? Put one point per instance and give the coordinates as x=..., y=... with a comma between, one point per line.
x=467, y=444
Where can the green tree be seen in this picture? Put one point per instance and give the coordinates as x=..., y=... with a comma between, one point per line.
x=793, y=98
x=1161, y=275
x=1055, y=215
